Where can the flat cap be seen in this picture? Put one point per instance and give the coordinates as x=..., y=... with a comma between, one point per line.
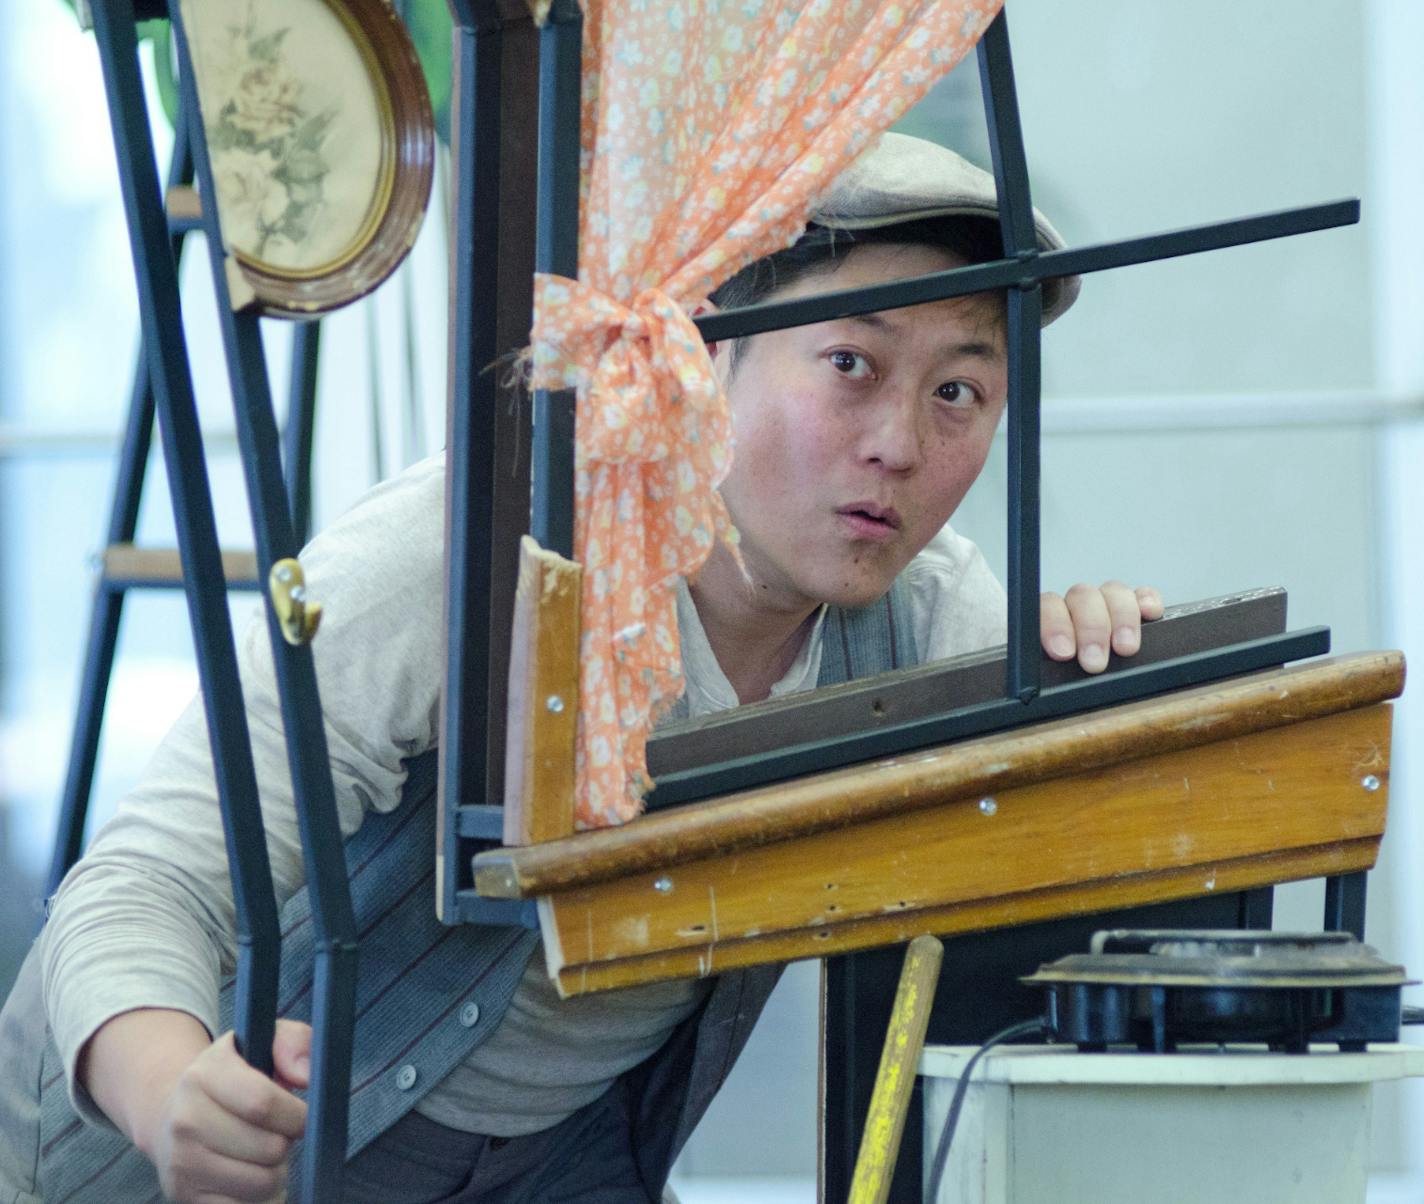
x=904, y=179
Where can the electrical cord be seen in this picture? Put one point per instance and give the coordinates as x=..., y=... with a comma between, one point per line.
x=1024, y=1028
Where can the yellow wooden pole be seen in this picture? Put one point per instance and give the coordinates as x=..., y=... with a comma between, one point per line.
x=885, y=1123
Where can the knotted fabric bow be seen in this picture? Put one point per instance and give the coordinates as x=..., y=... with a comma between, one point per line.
x=653, y=444
x=708, y=132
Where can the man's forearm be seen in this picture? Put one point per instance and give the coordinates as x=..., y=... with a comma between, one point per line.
x=130, y=1065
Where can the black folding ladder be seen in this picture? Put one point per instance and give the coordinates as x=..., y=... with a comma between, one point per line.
x=494, y=496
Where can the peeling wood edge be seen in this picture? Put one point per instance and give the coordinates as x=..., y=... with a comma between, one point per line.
x=1086, y=898
x=910, y=782
x=554, y=954
x=543, y=665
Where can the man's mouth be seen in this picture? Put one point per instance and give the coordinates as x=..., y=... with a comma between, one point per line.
x=868, y=518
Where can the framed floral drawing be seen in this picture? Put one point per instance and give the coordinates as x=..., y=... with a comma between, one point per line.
x=322, y=143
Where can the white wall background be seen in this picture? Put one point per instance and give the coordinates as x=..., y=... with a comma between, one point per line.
x=1249, y=417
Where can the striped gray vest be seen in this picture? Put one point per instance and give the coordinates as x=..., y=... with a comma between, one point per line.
x=428, y=995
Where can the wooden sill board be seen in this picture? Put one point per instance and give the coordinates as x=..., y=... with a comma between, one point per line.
x=1242, y=784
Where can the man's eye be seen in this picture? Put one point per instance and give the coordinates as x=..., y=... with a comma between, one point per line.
x=852, y=364
x=957, y=392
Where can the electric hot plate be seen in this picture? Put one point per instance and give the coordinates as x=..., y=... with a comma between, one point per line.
x=1157, y=989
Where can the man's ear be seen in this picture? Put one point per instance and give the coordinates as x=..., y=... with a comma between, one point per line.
x=706, y=307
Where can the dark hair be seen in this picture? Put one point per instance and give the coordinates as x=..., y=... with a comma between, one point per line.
x=822, y=249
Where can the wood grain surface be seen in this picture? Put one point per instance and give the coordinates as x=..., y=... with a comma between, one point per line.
x=854, y=797
x=1282, y=803
x=543, y=698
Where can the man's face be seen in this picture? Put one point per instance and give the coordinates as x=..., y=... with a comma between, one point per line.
x=857, y=438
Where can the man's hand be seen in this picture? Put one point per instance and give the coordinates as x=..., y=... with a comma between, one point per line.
x=1086, y=622
x=226, y=1130
x=216, y=1129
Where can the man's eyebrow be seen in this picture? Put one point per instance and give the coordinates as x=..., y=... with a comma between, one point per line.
x=974, y=349
x=978, y=350
x=876, y=321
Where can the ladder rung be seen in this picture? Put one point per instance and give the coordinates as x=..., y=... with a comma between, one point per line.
x=128, y=567
x=184, y=208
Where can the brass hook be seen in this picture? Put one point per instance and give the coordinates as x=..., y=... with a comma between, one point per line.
x=298, y=617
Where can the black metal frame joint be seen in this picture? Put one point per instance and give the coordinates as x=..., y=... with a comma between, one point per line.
x=1345, y=903
x=480, y=821
x=474, y=908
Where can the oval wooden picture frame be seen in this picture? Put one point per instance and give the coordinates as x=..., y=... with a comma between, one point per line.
x=271, y=106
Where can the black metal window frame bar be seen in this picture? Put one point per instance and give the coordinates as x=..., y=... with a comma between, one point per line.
x=478, y=572
x=1021, y=273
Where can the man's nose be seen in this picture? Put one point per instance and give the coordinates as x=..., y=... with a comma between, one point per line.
x=893, y=437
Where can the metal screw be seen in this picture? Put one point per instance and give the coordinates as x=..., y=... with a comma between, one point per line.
x=298, y=594
x=1370, y=782
x=284, y=573
x=554, y=704
x=988, y=806
x=663, y=885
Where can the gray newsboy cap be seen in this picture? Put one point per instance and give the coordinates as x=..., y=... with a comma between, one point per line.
x=905, y=179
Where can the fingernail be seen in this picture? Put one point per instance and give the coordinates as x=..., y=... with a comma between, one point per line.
x=1062, y=646
x=1126, y=640
x=1092, y=657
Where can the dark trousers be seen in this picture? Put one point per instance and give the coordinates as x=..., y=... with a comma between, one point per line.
x=587, y=1158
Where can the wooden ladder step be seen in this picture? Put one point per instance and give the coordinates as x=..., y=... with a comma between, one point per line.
x=184, y=208
x=126, y=566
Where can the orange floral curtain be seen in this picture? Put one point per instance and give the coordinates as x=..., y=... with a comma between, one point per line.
x=709, y=129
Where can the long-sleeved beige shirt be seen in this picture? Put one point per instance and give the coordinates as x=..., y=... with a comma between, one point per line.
x=146, y=918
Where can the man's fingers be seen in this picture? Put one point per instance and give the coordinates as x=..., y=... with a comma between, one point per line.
x=1055, y=627
x=252, y=1097
x=209, y=1154
x=226, y=1132
x=224, y=1178
x=263, y=1105
x=1092, y=626
x=291, y=1053
x=1093, y=623
x=1125, y=615
x=1149, y=602
x=203, y=1123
